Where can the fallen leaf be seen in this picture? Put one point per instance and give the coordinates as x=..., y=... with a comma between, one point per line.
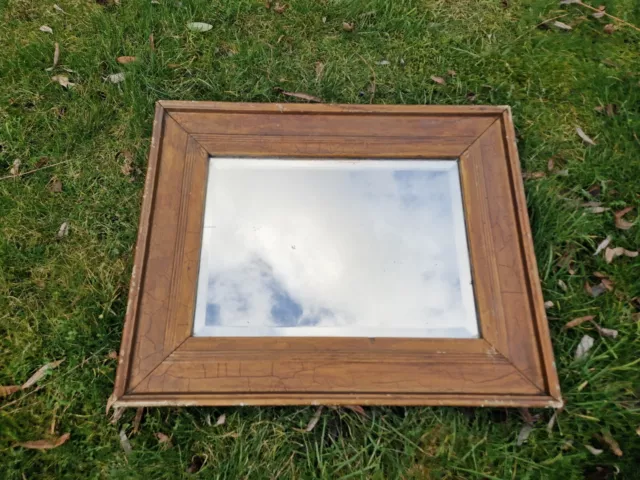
x=63, y=80
x=525, y=431
x=319, y=70
x=113, y=355
x=124, y=442
x=55, y=185
x=15, y=168
x=138, y=419
x=606, y=332
x=561, y=26
x=594, y=190
x=612, y=443
x=438, y=80
x=621, y=223
x=152, y=43
x=197, y=462
x=599, y=14
x=451, y=73
x=533, y=175
x=578, y=321
x=46, y=29
x=609, y=28
x=163, y=439
x=552, y=422
x=592, y=204
x=593, y=450
x=115, y=77
x=314, y=420
x=56, y=54
x=221, y=420
x=562, y=285
x=57, y=8
x=608, y=284
x=596, y=290
x=611, y=253
x=584, y=136
x=126, y=59
x=42, y=371
x=302, y=96
x=603, y=244
x=7, y=390
x=348, y=27
x=63, y=231
x=127, y=166
x=583, y=347
x=550, y=164
x=46, y=444
x=279, y=8
x=117, y=415
x=199, y=26
x=548, y=304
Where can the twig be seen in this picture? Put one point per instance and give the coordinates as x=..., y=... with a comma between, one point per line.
x=578, y=2
x=34, y=170
x=373, y=79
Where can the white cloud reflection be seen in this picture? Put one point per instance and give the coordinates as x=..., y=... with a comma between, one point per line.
x=334, y=248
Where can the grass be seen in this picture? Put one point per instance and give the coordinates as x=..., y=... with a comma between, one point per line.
x=66, y=298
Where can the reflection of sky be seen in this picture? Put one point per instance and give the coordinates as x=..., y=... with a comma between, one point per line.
x=348, y=248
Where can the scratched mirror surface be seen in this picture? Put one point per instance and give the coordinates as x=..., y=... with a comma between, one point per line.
x=334, y=248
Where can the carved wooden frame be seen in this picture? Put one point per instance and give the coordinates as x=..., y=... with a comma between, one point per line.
x=161, y=363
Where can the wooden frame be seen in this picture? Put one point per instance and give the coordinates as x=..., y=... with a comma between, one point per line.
x=162, y=364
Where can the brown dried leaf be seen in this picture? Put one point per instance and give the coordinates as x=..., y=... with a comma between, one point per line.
x=7, y=390
x=593, y=450
x=606, y=332
x=596, y=290
x=561, y=25
x=55, y=185
x=63, y=80
x=163, y=439
x=138, y=419
x=117, y=415
x=585, y=138
x=621, y=223
x=602, y=245
x=611, y=253
x=523, y=435
x=613, y=445
x=126, y=59
x=314, y=420
x=46, y=444
x=267, y=4
x=124, y=442
x=113, y=355
x=15, y=168
x=599, y=14
x=550, y=164
x=279, y=8
x=42, y=371
x=127, y=166
x=608, y=284
x=302, y=96
x=583, y=347
x=438, y=80
x=609, y=28
x=197, y=462
x=348, y=27
x=548, y=304
x=578, y=321
x=56, y=54
x=358, y=409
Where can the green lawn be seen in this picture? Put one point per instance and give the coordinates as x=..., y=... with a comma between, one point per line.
x=66, y=298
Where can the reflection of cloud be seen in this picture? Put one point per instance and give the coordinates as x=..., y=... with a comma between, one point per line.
x=293, y=243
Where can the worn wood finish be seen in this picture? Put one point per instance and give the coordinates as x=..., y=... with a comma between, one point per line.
x=161, y=364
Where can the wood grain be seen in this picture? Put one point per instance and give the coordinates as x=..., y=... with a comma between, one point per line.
x=161, y=364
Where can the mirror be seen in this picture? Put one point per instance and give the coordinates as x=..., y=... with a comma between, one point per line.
x=334, y=248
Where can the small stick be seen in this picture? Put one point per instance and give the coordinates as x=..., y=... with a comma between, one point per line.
x=578, y=2
x=34, y=170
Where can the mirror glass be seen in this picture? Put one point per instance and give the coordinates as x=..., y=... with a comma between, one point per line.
x=334, y=248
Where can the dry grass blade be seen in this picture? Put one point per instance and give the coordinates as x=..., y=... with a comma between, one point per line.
x=438, y=80
x=593, y=450
x=126, y=59
x=603, y=244
x=42, y=371
x=124, y=442
x=56, y=54
x=46, y=444
x=585, y=138
x=533, y=175
x=612, y=443
x=138, y=419
x=319, y=70
x=314, y=420
x=7, y=390
x=46, y=29
x=621, y=223
x=57, y=8
x=523, y=435
x=222, y=419
x=358, y=409
x=562, y=26
x=552, y=422
x=578, y=321
x=302, y=96
x=583, y=347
